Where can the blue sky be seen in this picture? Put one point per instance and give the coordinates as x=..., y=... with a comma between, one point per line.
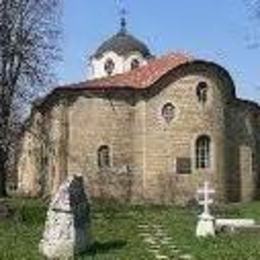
x=221, y=30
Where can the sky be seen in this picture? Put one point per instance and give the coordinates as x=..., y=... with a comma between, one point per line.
x=223, y=31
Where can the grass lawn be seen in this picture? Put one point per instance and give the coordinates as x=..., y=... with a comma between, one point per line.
x=117, y=233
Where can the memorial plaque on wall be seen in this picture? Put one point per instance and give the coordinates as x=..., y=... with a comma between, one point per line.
x=183, y=165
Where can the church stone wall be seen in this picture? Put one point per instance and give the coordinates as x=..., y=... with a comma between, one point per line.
x=94, y=122
x=41, y=154
x=26, y=171
x=28, y=157
x=167, y=142
x=139, y=142
x=54, y=150
x=244, y=151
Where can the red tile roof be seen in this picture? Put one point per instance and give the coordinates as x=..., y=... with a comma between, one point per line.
x=140, y=78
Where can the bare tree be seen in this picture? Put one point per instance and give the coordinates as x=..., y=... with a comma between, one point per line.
x=29, y=40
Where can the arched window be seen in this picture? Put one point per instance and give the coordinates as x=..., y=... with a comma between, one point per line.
x=202, y=92
x=109, y=66
x=203, y=152
x=103, y=157
x=168, y=112
x=135, y=64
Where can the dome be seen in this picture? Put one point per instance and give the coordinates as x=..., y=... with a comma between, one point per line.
x=123, y=43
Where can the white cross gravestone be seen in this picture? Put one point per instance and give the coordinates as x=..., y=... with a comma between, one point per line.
x=205, y=225
x=67, y=228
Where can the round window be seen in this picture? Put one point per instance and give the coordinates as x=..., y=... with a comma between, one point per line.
x=168, y=112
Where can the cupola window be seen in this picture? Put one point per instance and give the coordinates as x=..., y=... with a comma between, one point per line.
x=135, y=64
x=109, y=67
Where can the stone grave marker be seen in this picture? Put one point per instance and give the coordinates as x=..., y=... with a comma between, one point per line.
x=67, y=228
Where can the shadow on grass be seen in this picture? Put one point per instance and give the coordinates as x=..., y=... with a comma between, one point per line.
x=104, y=247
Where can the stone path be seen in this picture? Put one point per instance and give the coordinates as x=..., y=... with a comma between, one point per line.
x=159, y=243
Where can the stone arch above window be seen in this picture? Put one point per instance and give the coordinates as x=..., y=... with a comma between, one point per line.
x=168, y=112
x=203, y=152
x=202, y=92
x=103, y=155
x=135, y=63
x=109, y=66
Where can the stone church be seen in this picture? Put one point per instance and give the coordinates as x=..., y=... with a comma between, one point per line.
x=144, y=129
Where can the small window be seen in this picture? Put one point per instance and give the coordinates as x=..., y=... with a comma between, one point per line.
x=109, y=67
x=103, y=157
x=202, y=92
x=168, y=112
x=203, y=152
x=135, y=64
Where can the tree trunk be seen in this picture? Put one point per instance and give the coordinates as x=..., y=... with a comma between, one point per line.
x=3, y=172
x=4, y=139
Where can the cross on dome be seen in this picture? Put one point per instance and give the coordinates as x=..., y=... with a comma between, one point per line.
x=122, y=13
x=123, y=21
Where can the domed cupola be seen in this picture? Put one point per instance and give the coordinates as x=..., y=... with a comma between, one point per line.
x=120, y=53
x=122, y=44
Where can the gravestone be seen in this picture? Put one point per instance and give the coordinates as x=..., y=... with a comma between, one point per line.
x=67, y=228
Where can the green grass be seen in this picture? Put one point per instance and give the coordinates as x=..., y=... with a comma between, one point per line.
x=116, y=233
